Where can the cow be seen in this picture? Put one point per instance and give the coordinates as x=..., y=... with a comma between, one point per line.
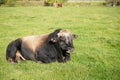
x=59, y=5
x=45, y=48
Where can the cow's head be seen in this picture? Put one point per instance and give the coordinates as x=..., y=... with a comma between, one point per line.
x=65, y=40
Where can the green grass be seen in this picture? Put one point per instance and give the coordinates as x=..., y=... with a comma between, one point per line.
x=97, y=48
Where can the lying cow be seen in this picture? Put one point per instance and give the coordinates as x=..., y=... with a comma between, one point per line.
x=45, y=48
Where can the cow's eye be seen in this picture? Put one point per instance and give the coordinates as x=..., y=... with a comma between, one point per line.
x=62, y=38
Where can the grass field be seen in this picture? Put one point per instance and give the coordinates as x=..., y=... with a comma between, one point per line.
x=97, y=48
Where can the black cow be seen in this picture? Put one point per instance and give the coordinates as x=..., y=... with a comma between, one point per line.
x=45, y=48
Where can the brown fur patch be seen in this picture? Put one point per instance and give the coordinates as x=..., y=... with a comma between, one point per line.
x=64, y=33
x=33, y=42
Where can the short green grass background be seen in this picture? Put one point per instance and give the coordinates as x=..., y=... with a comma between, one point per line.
x=97, y=48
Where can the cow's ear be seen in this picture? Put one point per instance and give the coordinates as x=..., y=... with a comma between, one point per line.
x=54, y=40
x=74, y=36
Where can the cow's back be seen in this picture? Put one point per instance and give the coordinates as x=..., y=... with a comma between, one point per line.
x=34, y=42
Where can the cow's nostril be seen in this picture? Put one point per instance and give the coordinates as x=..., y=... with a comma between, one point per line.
x=70, y=50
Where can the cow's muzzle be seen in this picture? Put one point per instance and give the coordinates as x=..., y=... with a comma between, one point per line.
x=70, y=50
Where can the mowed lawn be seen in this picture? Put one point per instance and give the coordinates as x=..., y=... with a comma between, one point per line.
x=97, y=48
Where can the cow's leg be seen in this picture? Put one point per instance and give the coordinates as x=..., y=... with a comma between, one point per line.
x=46, y=60
x=11, y=51
x=67, y=57
x=19, y=57
x=43, y=58
x=27, y=54
x=60, y=58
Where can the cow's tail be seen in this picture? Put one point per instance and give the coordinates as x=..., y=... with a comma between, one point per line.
x=11, y=50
